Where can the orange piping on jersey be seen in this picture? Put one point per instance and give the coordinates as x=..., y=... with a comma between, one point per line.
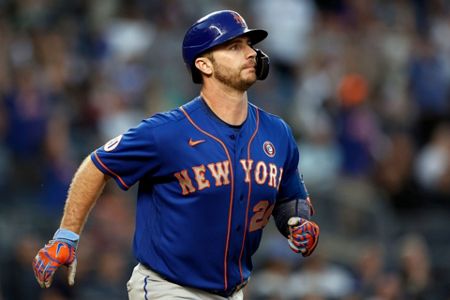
x=230, y=209
x=110, y=171
x=248, y=196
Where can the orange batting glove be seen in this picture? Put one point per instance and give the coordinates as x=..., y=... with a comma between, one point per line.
x=61, y=250
x=304, y=235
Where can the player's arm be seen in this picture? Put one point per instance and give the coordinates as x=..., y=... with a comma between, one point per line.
x=293, y=208
x=293, y=220
x=87, y=184
x=284, y=210
x=86, y=187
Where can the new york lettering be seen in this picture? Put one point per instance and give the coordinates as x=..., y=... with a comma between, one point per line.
x=260, y=172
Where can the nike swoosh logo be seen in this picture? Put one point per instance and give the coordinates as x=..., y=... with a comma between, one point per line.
x=58, y=249
x=193, y=143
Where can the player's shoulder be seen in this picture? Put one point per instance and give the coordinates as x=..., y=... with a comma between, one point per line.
x=170, y=117
x=270, y=119
x=164, y=118
x=267, y=115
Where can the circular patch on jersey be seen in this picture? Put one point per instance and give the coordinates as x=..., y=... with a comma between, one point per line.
x=112, y=144
x=269, y=149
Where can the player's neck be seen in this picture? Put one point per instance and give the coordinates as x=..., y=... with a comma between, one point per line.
x=229, y=105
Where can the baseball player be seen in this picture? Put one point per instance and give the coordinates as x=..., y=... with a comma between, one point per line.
x=210, y=175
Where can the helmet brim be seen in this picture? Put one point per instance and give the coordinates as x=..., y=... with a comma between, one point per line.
x=255, y=35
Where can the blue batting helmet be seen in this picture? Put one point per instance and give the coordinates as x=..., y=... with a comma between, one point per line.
x=212, y=30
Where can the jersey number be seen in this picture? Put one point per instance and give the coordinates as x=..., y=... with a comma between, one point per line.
x=262, y=212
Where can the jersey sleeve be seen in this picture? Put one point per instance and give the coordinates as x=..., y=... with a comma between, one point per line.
x=128, y=157
x=292, y=185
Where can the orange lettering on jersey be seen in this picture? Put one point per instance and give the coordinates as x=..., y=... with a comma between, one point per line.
x=185, y=182
x=202, y=182
x=279, y=178
x=272, y=175
x=247, y=165
x=220, y=172
x=260, y=172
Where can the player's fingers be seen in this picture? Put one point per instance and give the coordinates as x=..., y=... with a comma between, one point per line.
x=38, y=268
x=48, y=273
x=311, y=247
x=48, y=282
x=42, y=271
x=299, y=239
x=306, y=229
x=293, y=246
x=301, y=243
x=72, y=271
x=297, y=249
x=301, y=248
x=39, y=279
x=301, y=236
x=309, y=226
x=302, y=225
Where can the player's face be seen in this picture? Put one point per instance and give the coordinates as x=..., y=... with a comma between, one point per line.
x=234, y=64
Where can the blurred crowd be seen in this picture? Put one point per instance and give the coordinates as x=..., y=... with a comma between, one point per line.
x=365, y=86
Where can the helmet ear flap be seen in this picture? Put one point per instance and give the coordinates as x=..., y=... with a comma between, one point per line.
x=262, y=65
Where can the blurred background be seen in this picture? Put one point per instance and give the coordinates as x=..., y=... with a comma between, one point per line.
x=365, y=86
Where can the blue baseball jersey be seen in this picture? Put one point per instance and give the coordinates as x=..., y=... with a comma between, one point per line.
x=206, y=189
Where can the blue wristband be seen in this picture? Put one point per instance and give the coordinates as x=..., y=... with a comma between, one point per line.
x=67, y=236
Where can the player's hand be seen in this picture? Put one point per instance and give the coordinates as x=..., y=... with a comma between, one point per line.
x=304, y=235
x=57, y=252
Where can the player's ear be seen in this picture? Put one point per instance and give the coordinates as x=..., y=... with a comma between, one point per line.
x=204, y=65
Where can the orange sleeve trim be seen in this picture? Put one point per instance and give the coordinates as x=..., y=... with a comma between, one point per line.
x=110, y=171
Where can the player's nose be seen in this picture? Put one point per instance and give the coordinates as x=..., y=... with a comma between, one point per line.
x=250, y=52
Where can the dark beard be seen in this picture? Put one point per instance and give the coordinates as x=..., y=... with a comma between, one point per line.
x=233, y=80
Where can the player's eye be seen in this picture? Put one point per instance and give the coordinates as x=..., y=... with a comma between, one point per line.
x=234, y=47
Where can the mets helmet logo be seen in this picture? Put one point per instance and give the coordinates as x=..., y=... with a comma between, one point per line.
x=239, y=20
x=269, y=149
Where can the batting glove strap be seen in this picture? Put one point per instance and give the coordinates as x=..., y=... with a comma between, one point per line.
x=67, y=236
x=304, y=235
